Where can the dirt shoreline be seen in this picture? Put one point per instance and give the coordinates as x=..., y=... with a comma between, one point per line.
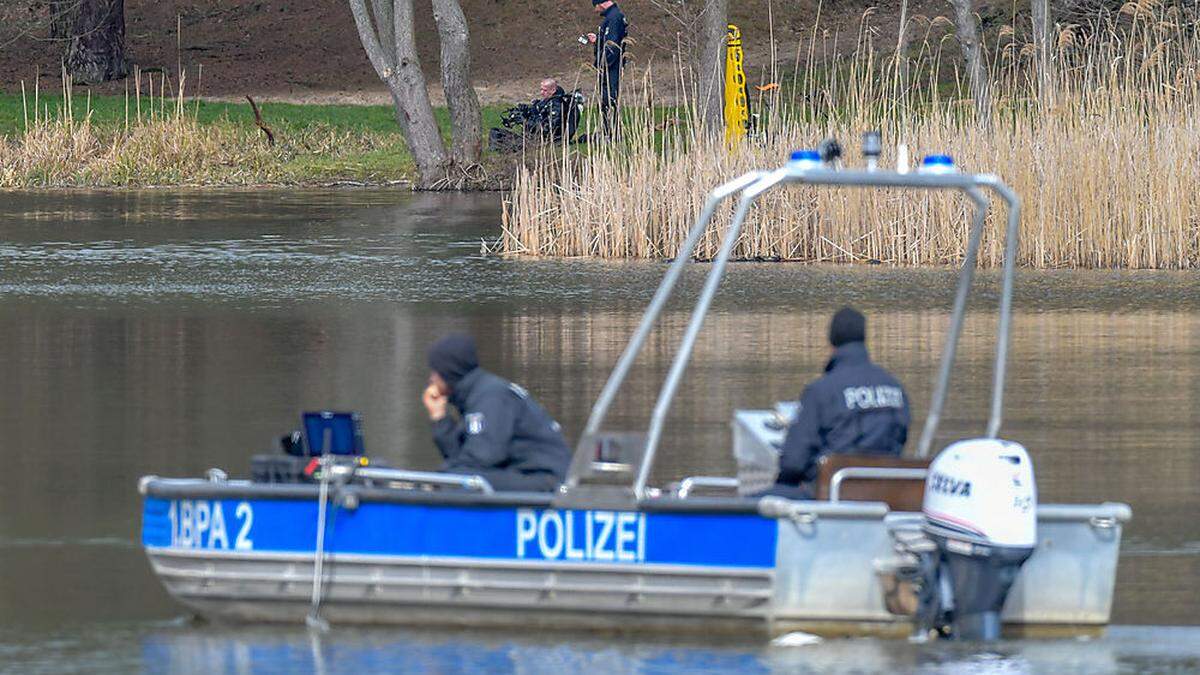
x=309, y=51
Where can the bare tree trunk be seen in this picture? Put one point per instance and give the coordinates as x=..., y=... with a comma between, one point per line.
x=414, y=110
x=1041, y=43
x=465, y=123
x=397, y=65
x=710, y=66
x=96, y=52
x=968, y=39
x=62, y=18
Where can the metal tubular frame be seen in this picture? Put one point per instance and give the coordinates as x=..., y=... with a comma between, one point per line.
x=1011, y=236
x=957, y=315
x=467, y=482
x=667, y=394
x=661, y=295
x=871, y=473
x=754, y=184
x=692, y=482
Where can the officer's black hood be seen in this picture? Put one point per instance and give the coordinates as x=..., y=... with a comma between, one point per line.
x=453, y=357
x=850, y=353
x=848, y=325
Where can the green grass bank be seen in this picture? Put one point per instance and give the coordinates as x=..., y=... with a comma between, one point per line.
x=77, y=140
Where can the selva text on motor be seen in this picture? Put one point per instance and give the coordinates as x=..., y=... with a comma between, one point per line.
x=949, y=485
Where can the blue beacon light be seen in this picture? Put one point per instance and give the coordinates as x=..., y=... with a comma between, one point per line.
x=805, y=159
x=938, y=164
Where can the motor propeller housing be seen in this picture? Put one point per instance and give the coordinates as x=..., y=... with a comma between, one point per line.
x=980, y=509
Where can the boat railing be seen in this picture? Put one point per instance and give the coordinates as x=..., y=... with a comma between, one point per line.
x=825, y=172
x=469, y=482
x=685, y=487
x=870, y=473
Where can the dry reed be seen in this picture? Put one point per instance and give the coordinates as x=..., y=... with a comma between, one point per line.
x=161, y=142
x=1105, y=159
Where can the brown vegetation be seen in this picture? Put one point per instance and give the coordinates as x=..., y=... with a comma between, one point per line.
x=161, y=143
x=1105, y=161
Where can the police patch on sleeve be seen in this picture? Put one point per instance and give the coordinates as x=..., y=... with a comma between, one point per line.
x=474, y=423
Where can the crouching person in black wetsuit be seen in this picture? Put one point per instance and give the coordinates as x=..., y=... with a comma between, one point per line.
x=857, y=407
x=501, y=433
x=553, y=118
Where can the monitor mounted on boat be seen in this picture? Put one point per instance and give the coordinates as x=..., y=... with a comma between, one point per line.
x=335, y=433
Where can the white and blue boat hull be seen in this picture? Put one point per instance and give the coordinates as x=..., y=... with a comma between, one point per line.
x=239, y=551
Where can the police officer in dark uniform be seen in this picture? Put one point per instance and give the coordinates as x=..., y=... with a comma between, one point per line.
x=857, y=407
x=501, y=434
x=609, y=43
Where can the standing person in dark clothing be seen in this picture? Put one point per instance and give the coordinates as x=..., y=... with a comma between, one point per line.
x=856, y=407
x=609, y=43
x=501, y=433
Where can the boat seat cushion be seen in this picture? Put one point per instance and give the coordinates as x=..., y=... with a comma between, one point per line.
x=900, y=494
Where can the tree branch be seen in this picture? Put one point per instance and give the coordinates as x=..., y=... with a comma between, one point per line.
x=370, y=40
x=258, y=120
x=385, y=28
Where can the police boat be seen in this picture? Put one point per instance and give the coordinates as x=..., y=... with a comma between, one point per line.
x=956, y=547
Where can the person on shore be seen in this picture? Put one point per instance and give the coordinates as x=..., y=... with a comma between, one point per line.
x=555, y=111
x=855, y=407
x=609, y=44
x=500, y=432
x=552, y=117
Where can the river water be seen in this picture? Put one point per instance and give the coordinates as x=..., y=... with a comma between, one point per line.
x=167, y=332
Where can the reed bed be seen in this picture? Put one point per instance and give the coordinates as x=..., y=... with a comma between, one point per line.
x=1104, y=156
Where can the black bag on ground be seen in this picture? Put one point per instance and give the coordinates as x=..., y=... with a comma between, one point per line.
x=503, y=140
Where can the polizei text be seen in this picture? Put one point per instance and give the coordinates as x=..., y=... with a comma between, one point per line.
x=598, y=536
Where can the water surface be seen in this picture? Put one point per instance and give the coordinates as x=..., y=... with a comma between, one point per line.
x=166, y=332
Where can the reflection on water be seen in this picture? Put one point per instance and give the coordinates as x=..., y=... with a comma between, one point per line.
x=193, y=651
x=166, y=332
x=185, y=649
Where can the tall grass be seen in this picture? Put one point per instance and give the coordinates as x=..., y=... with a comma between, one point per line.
x=161, y=140
x=1105, y=158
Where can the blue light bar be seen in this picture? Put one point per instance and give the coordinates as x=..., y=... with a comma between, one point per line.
x=938, y=164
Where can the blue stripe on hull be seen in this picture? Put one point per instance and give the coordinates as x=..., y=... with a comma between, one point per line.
x=505, y=533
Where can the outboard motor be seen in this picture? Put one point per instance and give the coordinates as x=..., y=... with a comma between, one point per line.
x=980, y=511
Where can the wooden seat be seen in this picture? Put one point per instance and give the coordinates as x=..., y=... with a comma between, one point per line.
x=900, y=494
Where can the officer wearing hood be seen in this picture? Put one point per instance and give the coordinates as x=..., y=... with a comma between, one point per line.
x=500, y=432
x=857, y=407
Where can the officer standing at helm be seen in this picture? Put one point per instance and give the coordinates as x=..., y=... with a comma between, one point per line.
x=500, y=433
x=856, y=407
